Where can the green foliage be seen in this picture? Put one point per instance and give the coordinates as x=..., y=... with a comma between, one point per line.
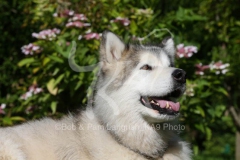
x=212, y=26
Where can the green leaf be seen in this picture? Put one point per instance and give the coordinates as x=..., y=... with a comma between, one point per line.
x=195, y=149
x=54, y=107
x=61, y=51
x=194, y=101
x=201, y=111
x=55, y=58
x=51, y=87
x=7, y=121
x=35, y=70
x=133, y=27
x=58, y=79
x=26, y=61
x=200, y=127
x=44, y=98
x=206, y=94
x=46, y=60
x=223, y=91
x=56, y=71
x=82, y=51
x=17, y=118
x=208, y=133
x=78, y=85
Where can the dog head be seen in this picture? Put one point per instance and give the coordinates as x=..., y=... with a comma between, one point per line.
x=139, y=79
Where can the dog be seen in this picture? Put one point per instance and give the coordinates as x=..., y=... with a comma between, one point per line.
x=135, y=96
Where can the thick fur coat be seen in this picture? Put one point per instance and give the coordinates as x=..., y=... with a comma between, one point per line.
x=122, y=124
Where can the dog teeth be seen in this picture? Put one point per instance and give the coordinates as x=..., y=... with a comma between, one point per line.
x=154, y=102
x=168, y=106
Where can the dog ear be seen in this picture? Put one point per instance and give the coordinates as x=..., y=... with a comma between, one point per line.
x=111, y=47
x=168, y=46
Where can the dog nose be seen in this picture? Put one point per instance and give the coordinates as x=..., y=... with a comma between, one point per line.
x=179, y=75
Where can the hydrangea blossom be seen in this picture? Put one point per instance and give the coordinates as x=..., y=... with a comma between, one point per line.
x=31, y=90
x=48, y=34
x=30, y=49
x=124, y=21
x=185, y=51
x=2, y=107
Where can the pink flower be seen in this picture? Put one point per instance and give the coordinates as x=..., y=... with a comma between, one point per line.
x=68, y=43
x=33, y=89
x=186, y=51
x=38, y=90
x=219, y=67
x=48, y=34
x=2, y=107
x=55, y=14
x=201, y=68
x=66, y=13
x=79, y=17
x=26, y=95
x=192, y=49
x=124, y=21
x=87, y=24
x=30, y=49
x=77, y=24
x=92, y=36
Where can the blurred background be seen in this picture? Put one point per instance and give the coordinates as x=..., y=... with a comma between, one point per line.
x=36, y=79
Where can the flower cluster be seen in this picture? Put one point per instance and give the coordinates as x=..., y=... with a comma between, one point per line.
x=75, y=19
x=31, y=90
x=65, y=13
x=30, y=49
x=185, y=51
x=201, y=68
x=190, y=90
x=48, y=34
x=90, y=35
x=77, y=24
x=123, y=21
x=78, y=17
x=218, y=67
x=2, y=107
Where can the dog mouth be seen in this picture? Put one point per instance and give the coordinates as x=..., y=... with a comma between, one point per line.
x=166, y=105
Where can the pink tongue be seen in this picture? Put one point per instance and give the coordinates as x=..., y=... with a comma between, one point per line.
x=163, y=104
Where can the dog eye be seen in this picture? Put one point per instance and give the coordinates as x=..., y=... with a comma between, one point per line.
x=146, y=67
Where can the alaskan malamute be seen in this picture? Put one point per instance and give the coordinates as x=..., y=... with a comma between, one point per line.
x=134, y=99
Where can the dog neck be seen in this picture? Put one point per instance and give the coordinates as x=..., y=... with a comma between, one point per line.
x=135, y=134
